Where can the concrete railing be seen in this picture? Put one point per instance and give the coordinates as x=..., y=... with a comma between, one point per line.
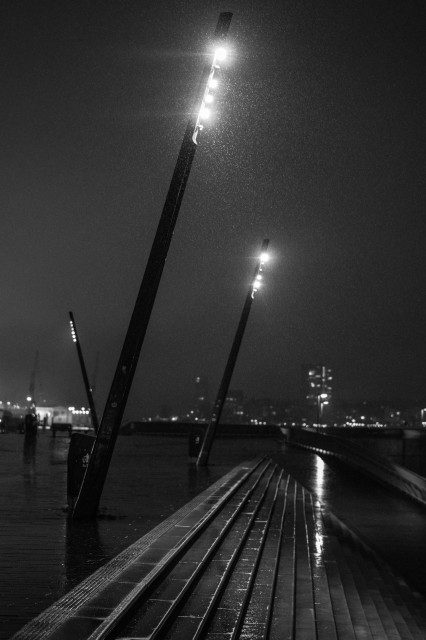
x=376, y=466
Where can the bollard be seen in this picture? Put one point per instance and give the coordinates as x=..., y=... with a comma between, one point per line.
x=81, y=446
x=196, y=437
x=30, y=425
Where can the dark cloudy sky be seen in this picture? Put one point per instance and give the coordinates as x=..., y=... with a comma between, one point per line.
x=317, y=141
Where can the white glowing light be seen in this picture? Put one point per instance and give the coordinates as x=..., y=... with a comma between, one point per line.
x=258, y=277
x=209, y=98
x=204, y=113
x=264, y=257
x=220, y=54
x=73, y=333
x=29, y=398
x=213, y=82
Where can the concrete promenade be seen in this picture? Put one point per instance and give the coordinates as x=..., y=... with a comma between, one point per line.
x=253, y=556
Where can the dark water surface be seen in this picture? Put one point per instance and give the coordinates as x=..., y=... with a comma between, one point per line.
x=42, y=555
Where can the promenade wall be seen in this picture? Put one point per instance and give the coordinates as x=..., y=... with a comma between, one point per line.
x=376, y=466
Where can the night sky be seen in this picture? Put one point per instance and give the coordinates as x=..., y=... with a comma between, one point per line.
x=316, y=141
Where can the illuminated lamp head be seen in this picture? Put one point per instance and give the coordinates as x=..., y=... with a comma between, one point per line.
x=220, y=54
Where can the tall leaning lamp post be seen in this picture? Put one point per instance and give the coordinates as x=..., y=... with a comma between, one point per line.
x=91, y=489
x=87, y=385
x=206, y=446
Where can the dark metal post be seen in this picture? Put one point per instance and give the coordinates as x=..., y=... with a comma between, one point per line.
x=94, y=479
x=30, y=420
x=224, y=385
x=88, y=388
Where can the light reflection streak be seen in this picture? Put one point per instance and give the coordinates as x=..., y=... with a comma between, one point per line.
x=319, y=477
x=319, y=492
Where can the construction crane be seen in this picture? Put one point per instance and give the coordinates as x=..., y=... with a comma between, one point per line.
x=31, y=393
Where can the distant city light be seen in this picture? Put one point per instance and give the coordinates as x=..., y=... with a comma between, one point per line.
x=209, y=98
x=205, y=113
x=213, y=82
x=29, y=398
x=264, y=257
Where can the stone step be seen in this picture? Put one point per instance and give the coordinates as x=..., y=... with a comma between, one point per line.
x=305, y=610
x=366, y=618
x=326, y=629
x=397, y=606
x=283, y=603
x=203, y=605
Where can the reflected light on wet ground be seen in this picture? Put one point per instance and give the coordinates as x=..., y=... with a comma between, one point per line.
x=319, y=477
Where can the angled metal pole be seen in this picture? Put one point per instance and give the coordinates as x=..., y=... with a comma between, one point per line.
x=94, y=479
x=88, y=388
x=232, y=358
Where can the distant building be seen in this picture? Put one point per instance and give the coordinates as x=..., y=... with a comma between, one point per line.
x=233, y=409
x=317, y=381
x=263, y=411
x=202, y=404
x=12, y=416
x=201, y=389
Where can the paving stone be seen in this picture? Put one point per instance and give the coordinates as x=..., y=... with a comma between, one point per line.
x=148, y=617
x=75, y=627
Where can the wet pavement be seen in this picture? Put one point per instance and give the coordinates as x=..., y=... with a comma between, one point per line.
x=391, y=524
x=43, y=556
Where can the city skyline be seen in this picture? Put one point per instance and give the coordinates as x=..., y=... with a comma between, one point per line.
x=241, y=408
